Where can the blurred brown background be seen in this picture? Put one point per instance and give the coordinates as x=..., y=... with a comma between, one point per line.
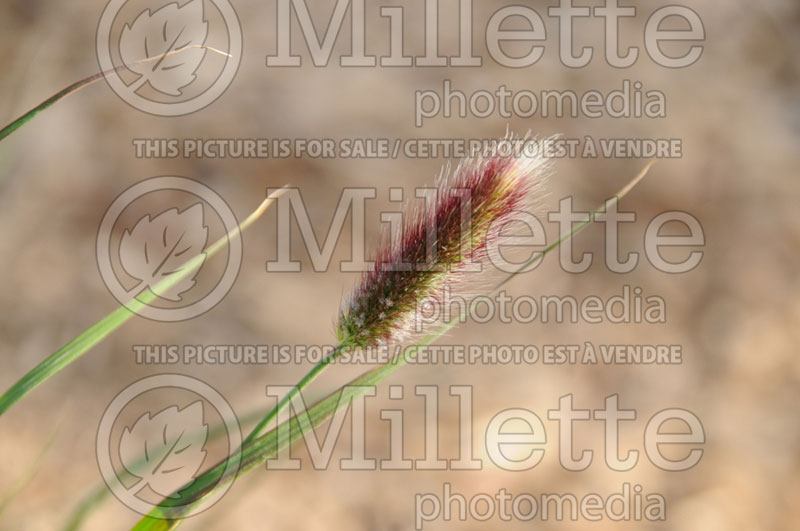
x=736, y=315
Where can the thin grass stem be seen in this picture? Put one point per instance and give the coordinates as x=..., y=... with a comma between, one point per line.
x=85, y=82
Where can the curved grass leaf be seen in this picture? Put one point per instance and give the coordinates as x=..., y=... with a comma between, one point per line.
x=94, y=334
x=71, y=89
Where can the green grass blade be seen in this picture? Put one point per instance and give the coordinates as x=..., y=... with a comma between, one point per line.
x=304, y=382
x=97, y=332
x=71, y=89
x=602, y=209
x=257, y=451
x=31, y=114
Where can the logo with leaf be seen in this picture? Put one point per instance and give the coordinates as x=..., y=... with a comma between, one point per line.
x=156, y=260
x=165, y=451
x=169, y=58
x=149, y=46
x=159, y=435
x=160, y=247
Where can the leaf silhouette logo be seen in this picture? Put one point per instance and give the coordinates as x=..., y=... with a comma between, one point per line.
x=159, y=247
x=158, y=33
x=171, y=443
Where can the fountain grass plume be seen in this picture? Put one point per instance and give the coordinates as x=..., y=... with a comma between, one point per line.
x=441, y=247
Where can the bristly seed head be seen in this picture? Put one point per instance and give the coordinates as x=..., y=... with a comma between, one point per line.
x=438, y=247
